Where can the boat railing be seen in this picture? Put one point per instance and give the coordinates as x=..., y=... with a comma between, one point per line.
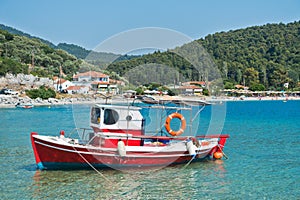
x=87, y=135
x=182, y=137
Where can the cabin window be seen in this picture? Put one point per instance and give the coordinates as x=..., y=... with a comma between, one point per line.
x=110, y=116
x=95, y=115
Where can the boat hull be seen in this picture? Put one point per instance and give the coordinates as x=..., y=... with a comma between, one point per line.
x=52, y=155
x=25, y=106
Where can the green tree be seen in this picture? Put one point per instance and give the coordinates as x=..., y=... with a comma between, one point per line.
x=139, y=91
x=205, y=92
x=257, y=87
x=8, y=65
x=228, y=85
x=293, y=75
x=250, y=76
x=42, y=92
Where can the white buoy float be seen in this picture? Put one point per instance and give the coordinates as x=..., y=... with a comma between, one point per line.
x=191, y=148
x=121, y=148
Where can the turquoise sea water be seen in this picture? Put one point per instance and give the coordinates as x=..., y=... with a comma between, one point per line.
x=264, y=159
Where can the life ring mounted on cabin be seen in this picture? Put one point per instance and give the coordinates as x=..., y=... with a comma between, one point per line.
x=168, y=125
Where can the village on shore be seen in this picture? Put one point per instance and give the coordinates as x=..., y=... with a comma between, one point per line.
x=91, y=87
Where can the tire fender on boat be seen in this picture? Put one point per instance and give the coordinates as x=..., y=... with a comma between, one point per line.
x=168, y=125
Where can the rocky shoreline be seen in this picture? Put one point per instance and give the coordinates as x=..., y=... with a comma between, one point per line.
x=10, y=101
x=22, y=82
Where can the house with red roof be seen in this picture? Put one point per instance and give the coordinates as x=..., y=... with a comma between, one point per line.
x=191, y=89
x=199, y=83
x=97, y=81
x=241, y=87
x=61, y=84
x=91, y=76
x=77, y=89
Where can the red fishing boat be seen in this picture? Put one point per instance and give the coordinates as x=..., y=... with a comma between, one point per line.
x=118, y=139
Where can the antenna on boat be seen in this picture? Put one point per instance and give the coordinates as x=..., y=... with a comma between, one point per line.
x=106, y=97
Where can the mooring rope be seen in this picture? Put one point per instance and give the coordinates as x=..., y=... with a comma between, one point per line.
x=92, y=166
x=223, y=152
x=187, y=164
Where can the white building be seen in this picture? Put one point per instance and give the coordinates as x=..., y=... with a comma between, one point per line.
x=97, y=81
x=61, y=84
x=78, y=89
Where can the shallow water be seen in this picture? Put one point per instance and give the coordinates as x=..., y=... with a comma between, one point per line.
x=263, y=159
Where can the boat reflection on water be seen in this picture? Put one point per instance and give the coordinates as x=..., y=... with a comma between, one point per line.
x=208, y=179
x=165, y=183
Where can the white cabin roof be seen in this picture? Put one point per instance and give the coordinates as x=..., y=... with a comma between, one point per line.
x=117, y=107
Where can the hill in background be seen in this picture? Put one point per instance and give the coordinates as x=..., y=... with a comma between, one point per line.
x=21, y=33
x=262, y=57
x=100, y=59
x=21, y=54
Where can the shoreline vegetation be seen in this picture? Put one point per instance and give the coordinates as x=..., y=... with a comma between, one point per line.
x=9, y=101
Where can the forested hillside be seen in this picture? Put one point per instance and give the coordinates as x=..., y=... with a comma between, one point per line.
x=96, y=58
x=268, y=54
x=100, y=59
x=73, y=49
x=20, y=54
x=21, y=33
x=23, y=53
x=263, y=57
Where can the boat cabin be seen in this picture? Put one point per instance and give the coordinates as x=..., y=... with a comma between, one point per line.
x=111, y=123
x=114, y=123
x=117, y=119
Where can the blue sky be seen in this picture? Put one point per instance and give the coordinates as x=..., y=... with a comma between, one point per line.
x=87, y=23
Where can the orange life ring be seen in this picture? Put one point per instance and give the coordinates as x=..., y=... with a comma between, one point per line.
x=183, y=124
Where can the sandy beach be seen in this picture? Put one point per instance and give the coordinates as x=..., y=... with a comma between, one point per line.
x=252, y=99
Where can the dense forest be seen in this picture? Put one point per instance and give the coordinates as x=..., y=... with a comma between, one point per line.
x=269, y=54
x=21, y=33
x=98, y=59
x=20, y=54
x=261, y=57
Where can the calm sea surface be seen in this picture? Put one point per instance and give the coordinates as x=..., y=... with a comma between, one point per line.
x=263, y=151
